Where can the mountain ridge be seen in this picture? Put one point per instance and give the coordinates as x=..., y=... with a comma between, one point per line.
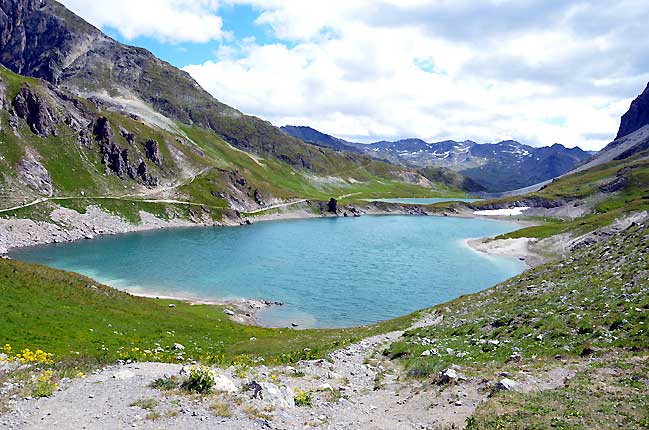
x=500, y=166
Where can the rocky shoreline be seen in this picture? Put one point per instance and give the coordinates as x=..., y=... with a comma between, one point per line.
x=67, y=225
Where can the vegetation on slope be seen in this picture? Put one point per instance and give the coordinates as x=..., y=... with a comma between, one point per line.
x=71, y=316
x=613, y=190
x=198, y=165
x=587, y=312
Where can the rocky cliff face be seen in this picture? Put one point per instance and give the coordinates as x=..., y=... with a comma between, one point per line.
x=31, y=107
x=637, y=116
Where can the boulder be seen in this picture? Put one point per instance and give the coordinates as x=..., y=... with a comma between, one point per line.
x=148, y=179
x=130, y=137
x=280, y=397
x=223, y=383
x=332, y=206
x=449, y=376
x=506, y=384
x=256, y=388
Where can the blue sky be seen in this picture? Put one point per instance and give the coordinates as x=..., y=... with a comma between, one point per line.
x=531, y=70
x=238, y=20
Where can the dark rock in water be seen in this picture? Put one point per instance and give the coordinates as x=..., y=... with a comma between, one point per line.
x=153, y=152
x=637, y=116
x=332, y=206
x=31, y=107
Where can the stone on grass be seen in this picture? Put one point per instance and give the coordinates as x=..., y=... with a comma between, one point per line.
x=506, y=384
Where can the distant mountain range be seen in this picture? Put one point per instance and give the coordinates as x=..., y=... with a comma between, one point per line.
x=501, y=166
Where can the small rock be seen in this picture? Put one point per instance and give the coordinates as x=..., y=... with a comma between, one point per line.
x=228, y=312
x=449, y=376
x=179, y=347
x=506, y=384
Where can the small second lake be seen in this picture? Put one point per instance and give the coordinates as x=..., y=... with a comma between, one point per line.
x=424, y=201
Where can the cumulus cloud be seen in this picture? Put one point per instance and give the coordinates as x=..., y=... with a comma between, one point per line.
x=536, y=71
x=165, y=20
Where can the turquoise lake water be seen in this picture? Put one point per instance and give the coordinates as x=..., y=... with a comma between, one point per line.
x=331, y=272
x=424, y=201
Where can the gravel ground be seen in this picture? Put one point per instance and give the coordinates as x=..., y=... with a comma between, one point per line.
x=355, y=388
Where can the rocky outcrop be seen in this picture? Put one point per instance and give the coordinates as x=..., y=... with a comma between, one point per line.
x=533, y=202
x=31, y=107
x=3, y=95
x=637, y=115
x=148, y=179
x=332, y=206
x=116, y=160
x=130, y=137
x=153, y=152
x=618, y=184
x=259, y=199
x=32, y=173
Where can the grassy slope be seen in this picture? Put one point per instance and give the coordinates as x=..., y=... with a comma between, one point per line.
x=595, y=304
x=584, y=186
x=66, y=314
x=77, y=170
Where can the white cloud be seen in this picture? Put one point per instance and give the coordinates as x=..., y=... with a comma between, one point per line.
x=535, y=71
x=165, y=20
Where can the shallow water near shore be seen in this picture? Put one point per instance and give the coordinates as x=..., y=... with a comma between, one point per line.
x=332, y=272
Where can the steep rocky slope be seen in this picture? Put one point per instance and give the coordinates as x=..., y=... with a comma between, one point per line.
x=637, y=116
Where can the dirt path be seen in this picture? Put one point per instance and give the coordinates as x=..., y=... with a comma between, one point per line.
x=355, y=388
x=127, y=197
x=277, y=206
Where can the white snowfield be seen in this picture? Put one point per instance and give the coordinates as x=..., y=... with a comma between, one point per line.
x=502, y=212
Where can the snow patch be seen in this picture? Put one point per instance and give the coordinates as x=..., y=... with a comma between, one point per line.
x=502, y=212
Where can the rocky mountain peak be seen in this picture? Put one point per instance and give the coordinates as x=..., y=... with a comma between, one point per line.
x=41, y=37
x=637, y=116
